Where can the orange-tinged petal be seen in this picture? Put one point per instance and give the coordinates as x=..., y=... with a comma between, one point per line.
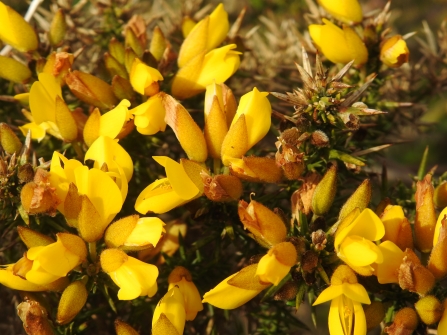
x=16, y=31
x=438, y=226
x=227, y=296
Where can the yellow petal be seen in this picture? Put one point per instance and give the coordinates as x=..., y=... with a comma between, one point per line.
x=42, y=98
x=16, y=31
x=348, y=11
x=37, y=131
x=65, y=121
x=330, y=293
x=150, y=116
x=193, y=301
x=194, y=44
x=438, y=226
x=335, y=325
x=112, y=122
x=147, y=231
x=235, y=143
x=215, y=128
x=357, y=251
x=226, y=296
x=13, y=70
x=387, y=271
x=356, y=292
x=173, y=307
x=8, y=279
x=270, y=270
x=142, y=76
x=356, y=46
x=91, y=128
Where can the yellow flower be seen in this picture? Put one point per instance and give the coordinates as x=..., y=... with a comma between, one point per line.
x=134, y=278
x=181, y=185
x=13, y=70
x=346, y=315
x=348, y=11
x=215, y=66
x=134, y=233
x=276, y=264
x=55, y=260
x=339, y=45
x=90, y=198
x=144, y=79
x=149, y=117
x=205, y=36
x=354, y=240
x=169, y=315
x=49, y=111
x=388, y=271
x=250, y=124
x=237, y=289
x=397, y=227
x=394, y=52
x=15, y=31
x=181, y=278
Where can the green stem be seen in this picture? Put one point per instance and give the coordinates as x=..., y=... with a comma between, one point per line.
x=216, y=165
x=92, y=251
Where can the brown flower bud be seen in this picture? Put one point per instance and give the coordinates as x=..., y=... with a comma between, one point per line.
x=9, y=140
x=302, y=198
x=324, y=193
x=122, y=328
x=91, y=89
x=309, y=261
x=290, y=159
x=374, y=314
x=34, y=317
x=38, y=199
x=25, y=173
x=440, y=195
x=413, y=276
x=256, y=169
x=437, y=263
x=319, y=239
x=222, y=188
x=287, y=292
x=319, y=139
x=72, y=300
x=58, y=65
x=404, y=323
x=267, y=227
x=359, y=199
x=425, y=222
x=429, y=309
x=58, y=28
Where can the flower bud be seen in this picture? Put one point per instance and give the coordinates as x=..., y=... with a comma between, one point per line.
x=169, y=315
x=116, y=49
x=429, y=309
x=324, y=193
x=256, y=169
x=222, y=187
x=16, y=31
x=144, y=79
x=72, y=300
x=58, y=28
x=276, y=264
x=91, y=89
x=114, y=67
x=181, y=278
x=158, y=44
x=134, y=233
x=404, y=323
x=394, y=52
x=13, y=70
x=122, y=88
x=132, y=41
x=122, y=328
x=302, y=198
x=397, y=227
x=425, y=221
x=413, y=276
x=374, y=314
x=9, y=140
x=359, y=199
x=266, y=226
x=38, y=199
x=437, y=263
x=34, y=316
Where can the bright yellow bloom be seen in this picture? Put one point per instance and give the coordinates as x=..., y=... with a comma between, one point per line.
x=49, y=111
x=134, y=233
x=276, y=264
x=236, y=290
x=250, y=124
x=339, y=45
x=181, y=185
x=180, y=277
x=354, y=240
x=55, y=260
x=134, y=278
x=348, y=11
x=144, y=79
x=215, y=66
x=442, y=326
x=388, y=271
x=206, y=35
x=346, y=315
x=149, y=117
x=397, y=227
x=169, y=315
x=90, y=197
x=394, y=52
x=15, y=31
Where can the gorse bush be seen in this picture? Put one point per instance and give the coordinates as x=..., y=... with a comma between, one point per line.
x=171, y=163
